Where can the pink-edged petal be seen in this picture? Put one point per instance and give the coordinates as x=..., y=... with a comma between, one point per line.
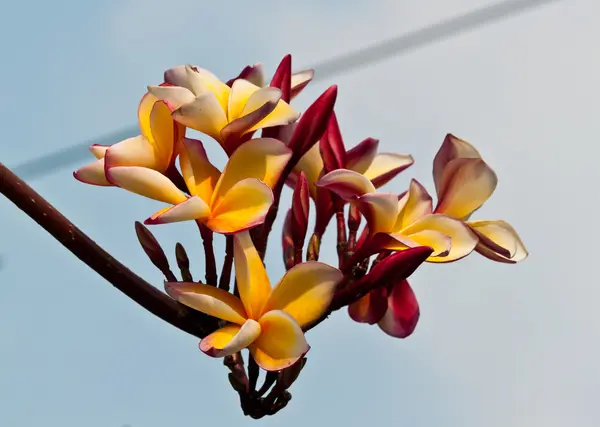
x=305, y=291
x=208, y=299
x=174, y=96
x=136, y=151
x=386, y=166
x=452, y=148
x=346, y=183
x=499, y=241
x=230, y=339
x=463, y=239
x=146, y=182
x=204, y=114
x=380, y=211
x=300, y=80
x=252, y=280
x=402, y=315
x=244, y=206
x=281, y=342
x=466, y=185
x=282, y=115
x=360, y=157
x=438, y=241
x=414, y=205
x=181, y=75
x=93, y=174
x=99, y=150
x=260, y=158
x=198, y=172
x=192, y=209
x=238, y=131
x=370, y=308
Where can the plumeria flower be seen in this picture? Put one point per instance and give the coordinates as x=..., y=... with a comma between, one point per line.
x=268, y=321
x=227, y=202
x=406, y=222
x=203, y=102
x=156, y=148
x=464, y=182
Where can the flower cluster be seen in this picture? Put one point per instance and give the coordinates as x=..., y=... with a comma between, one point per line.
x=306, y=152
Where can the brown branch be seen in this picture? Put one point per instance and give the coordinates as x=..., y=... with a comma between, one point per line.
x=84, y=248
x=227, y=264
x=341, y=237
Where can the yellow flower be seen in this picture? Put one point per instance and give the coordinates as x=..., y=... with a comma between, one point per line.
x=227, y=202
x=268, y=321
x=156, y=148
x=203, y=102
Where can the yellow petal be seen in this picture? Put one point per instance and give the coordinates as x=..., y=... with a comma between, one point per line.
x=438, y=241
x=305, y=291
x=346, y=183
x=99, y=150
x=281, y=342
x=204, y=114
x=416, y=203
x=175, y=96
x=166, y=134
x=93, y=174
x=300, y=80
x=192, y=209
x=386, y=166
x=208, y=299
x=252, y=280
x=136, y=151
x=244, y=206
x=312, y=166
x=203, y=80
x=463, y=239
x=502, y=234
x=198, y=172
x=144, y=110
x=452, y=148
x=261, y=158
x=241, y=91
x=465, y=185
x=380, y=211
x=230, y=339
x=283, y=114
x=145, y=182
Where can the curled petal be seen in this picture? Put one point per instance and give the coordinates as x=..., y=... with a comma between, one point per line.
x=370, y=308
x=232, y=133
x=312, y=166
x=386, y=166
x=346, y=183
x=99, y=150
x=415, y=204
x=305, y=291
x=438, y=241
x=361, y=156
x=463, y=240
x=183, y=75
x=166, y=135
x=244, y=206
x=203, y=81
x=252, y=280
x=465, y=185
x=144, y=111
x=208, y=299
x=452, y=148
x=198, y=172
x=241, y=91
x=283, y=114
x=281, y=342
x=145, y=182
x=253, y=73
x=230, y=339
x=192, y=209
x=260, y=158
x=175, y=96
x=300, y=209
x=136, y=151
x=332, y=147
x=204, y=114
x=93, y=174
x=402, y=315
x=380, y=211
x=499, y=241
x=300, y=80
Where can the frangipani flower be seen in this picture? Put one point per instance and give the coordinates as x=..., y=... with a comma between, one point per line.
x=407, y=222
x=203, y=102
x=268, y=321
x=228, y=202
x=463, y=183
x=156, y=148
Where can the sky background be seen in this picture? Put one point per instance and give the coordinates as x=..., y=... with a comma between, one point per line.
x=497, y=345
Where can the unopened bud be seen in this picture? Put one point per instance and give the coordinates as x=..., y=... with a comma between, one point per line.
x=153, y=250
x=332, y=147
x=183, y=262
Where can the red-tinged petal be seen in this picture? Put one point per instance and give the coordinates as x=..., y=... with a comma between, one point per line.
x=234, y=133
x=414, y=205
x=174, y=96
x=305, y=291
x=198, y=172
x=499, y=241
x=144, y=110
x=370, y=308
x=253, y=73
x=346, y=183
x=438, y=241
x=402, y=315
x=136, y=151
x=452, y=148
x=281, y=342
x=99, y=150
x=208, y=299
x=312, y=124
x=93, y=174
x=300, y=80
x=324, y=209
x=205, y=114
x=360, y=157
x=465, y=185
x=287, y=241
x=241, y=91
x=230, y=339
x=300, y=209
x=332, y=147
x=145, y=182
x=386, y=166
x=282, y=115
x=380, y=211
x=192, y=209
x=282, y=79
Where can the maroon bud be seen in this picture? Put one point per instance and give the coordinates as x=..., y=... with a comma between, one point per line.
x=282, y=79
x=153, y=250
x=287, y=241
x=300, y=210
x=332, y=147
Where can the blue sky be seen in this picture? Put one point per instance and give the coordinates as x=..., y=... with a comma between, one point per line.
x=497, y=345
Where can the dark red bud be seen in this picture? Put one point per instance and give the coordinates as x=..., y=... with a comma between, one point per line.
x=282, y=79
x=300, y=210
x=332, y=147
